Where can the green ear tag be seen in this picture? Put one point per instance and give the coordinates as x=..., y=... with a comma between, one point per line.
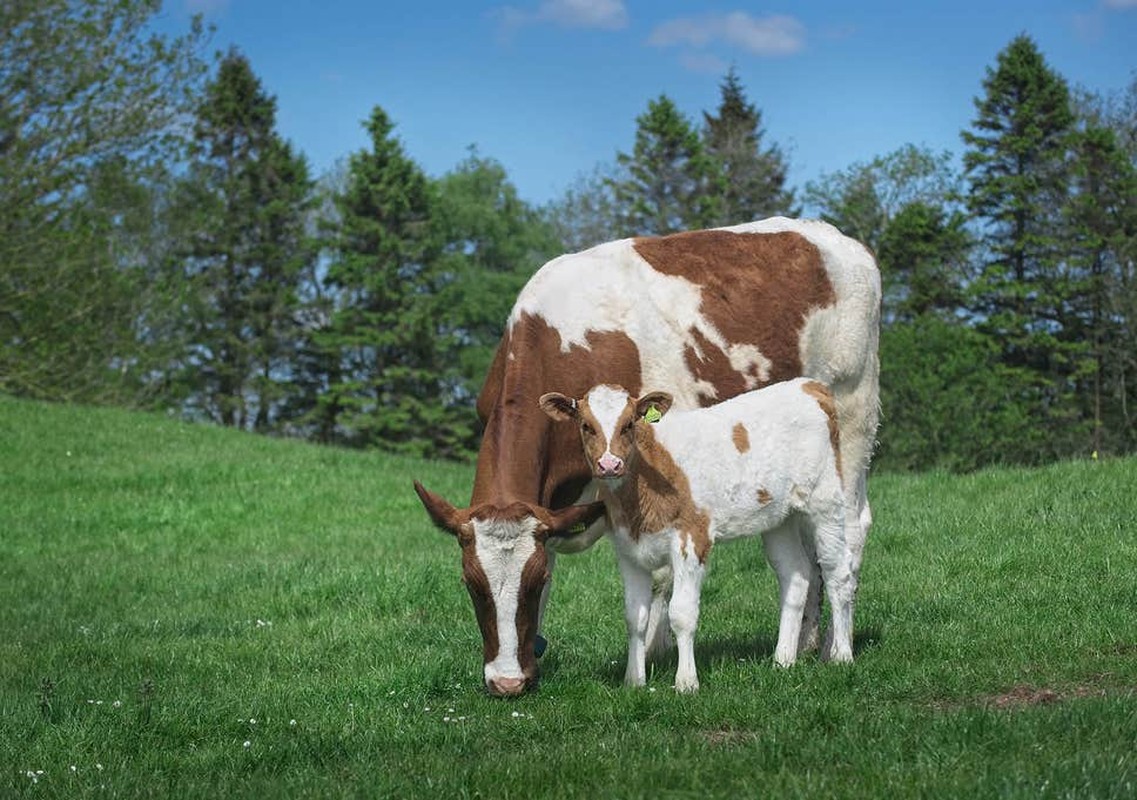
x=653, y=415
x=578, y=528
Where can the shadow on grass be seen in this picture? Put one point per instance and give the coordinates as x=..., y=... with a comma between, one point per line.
x=709, y=655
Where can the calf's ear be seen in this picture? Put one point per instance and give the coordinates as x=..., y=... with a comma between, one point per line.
x=571, y=520
x=445, y=516
x=660, y=401
x=558, y=406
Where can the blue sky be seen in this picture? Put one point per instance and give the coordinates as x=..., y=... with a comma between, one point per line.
x=550, y=88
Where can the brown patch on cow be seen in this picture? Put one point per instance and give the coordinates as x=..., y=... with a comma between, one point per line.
x=757, y=288
x=657, y=495
x=533, y=577
x=820, y=392
x=764, y=497
x=524, y=456
x=740, y=437
x=711, y=365
x=478, y=586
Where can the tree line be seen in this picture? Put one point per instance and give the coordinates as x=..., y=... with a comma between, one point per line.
x=162, y=246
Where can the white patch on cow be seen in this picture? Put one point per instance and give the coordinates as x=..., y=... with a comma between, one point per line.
x=748, y=359
x=503, y=548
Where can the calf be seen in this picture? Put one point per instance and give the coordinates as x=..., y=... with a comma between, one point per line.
x=767, y=461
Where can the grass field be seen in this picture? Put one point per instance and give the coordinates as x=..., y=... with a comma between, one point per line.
x=196, y=613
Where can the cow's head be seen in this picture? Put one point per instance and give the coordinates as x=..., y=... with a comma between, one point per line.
x=505, y=569
x=607, y=418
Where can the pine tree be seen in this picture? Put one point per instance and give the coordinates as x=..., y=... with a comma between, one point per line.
x=385, y=391
x=249, y=196
x=670, y=183
x=1017, y=166
x=923, y=257
x=752, y=180
x=1102, y=227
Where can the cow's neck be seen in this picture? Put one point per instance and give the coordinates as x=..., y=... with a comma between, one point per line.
x=528, y=458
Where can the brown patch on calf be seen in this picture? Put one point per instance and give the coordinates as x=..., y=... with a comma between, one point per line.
x=764, y=497
x=657, y=495
x=757, y=288
x=740, y=437
x=820, y=392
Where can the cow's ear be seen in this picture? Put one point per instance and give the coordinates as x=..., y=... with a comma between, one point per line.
x=653, y=406
x=558, y=406
x=571, y=520
x=442, y=514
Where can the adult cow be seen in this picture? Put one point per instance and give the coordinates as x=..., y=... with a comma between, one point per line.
x=702, y=315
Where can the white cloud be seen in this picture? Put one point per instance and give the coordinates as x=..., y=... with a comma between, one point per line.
x=1120, y=3
x=604, y=14
x=774, y=35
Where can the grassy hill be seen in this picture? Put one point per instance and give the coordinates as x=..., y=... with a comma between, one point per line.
x=194, y=612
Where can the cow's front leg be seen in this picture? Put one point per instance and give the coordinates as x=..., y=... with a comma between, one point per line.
x=684, y=611
x=637, y=604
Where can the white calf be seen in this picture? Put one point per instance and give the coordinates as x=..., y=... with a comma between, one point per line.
x=763, y=462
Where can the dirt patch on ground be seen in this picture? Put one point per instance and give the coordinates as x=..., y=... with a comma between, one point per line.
x=1023, y=695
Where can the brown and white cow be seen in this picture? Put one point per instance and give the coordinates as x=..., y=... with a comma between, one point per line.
x=708, y=314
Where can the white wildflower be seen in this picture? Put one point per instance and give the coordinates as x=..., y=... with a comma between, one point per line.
x=248, y=744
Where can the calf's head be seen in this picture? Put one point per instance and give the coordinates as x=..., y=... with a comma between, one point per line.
x=607, y=418
x=505, y=570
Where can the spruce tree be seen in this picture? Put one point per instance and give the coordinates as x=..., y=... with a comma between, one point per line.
x=670, y=182
x=1017, y=167
x=249, y=195
x=752, y=178
x=385, y=391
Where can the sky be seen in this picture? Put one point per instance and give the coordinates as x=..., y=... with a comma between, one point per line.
x=552, y=88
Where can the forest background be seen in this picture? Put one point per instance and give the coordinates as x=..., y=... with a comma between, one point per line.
x=162, y=246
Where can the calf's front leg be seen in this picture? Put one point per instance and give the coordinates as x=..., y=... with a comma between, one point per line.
x=637, y=605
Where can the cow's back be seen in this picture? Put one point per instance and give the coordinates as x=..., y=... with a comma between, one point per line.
x=703, y=315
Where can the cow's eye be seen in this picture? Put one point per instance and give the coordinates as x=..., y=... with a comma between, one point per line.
x=588, y=430
x=628, y=426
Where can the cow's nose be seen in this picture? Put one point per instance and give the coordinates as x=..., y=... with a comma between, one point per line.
x=610, y=466
x=506, y=687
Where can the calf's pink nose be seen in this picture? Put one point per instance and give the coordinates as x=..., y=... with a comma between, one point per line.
x=610, y=464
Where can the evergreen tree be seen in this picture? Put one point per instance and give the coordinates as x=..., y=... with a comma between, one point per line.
x=1102, y=230
x=923, y=257
x=385, y=390
x=249, y=195
x=1017, y=167
x=670, y=183
x=752, y=179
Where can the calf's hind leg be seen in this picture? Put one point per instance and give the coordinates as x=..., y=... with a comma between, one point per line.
x=787, y=556
x=684, y=611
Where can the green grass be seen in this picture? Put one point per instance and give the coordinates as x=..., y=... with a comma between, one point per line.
x=163, y=585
